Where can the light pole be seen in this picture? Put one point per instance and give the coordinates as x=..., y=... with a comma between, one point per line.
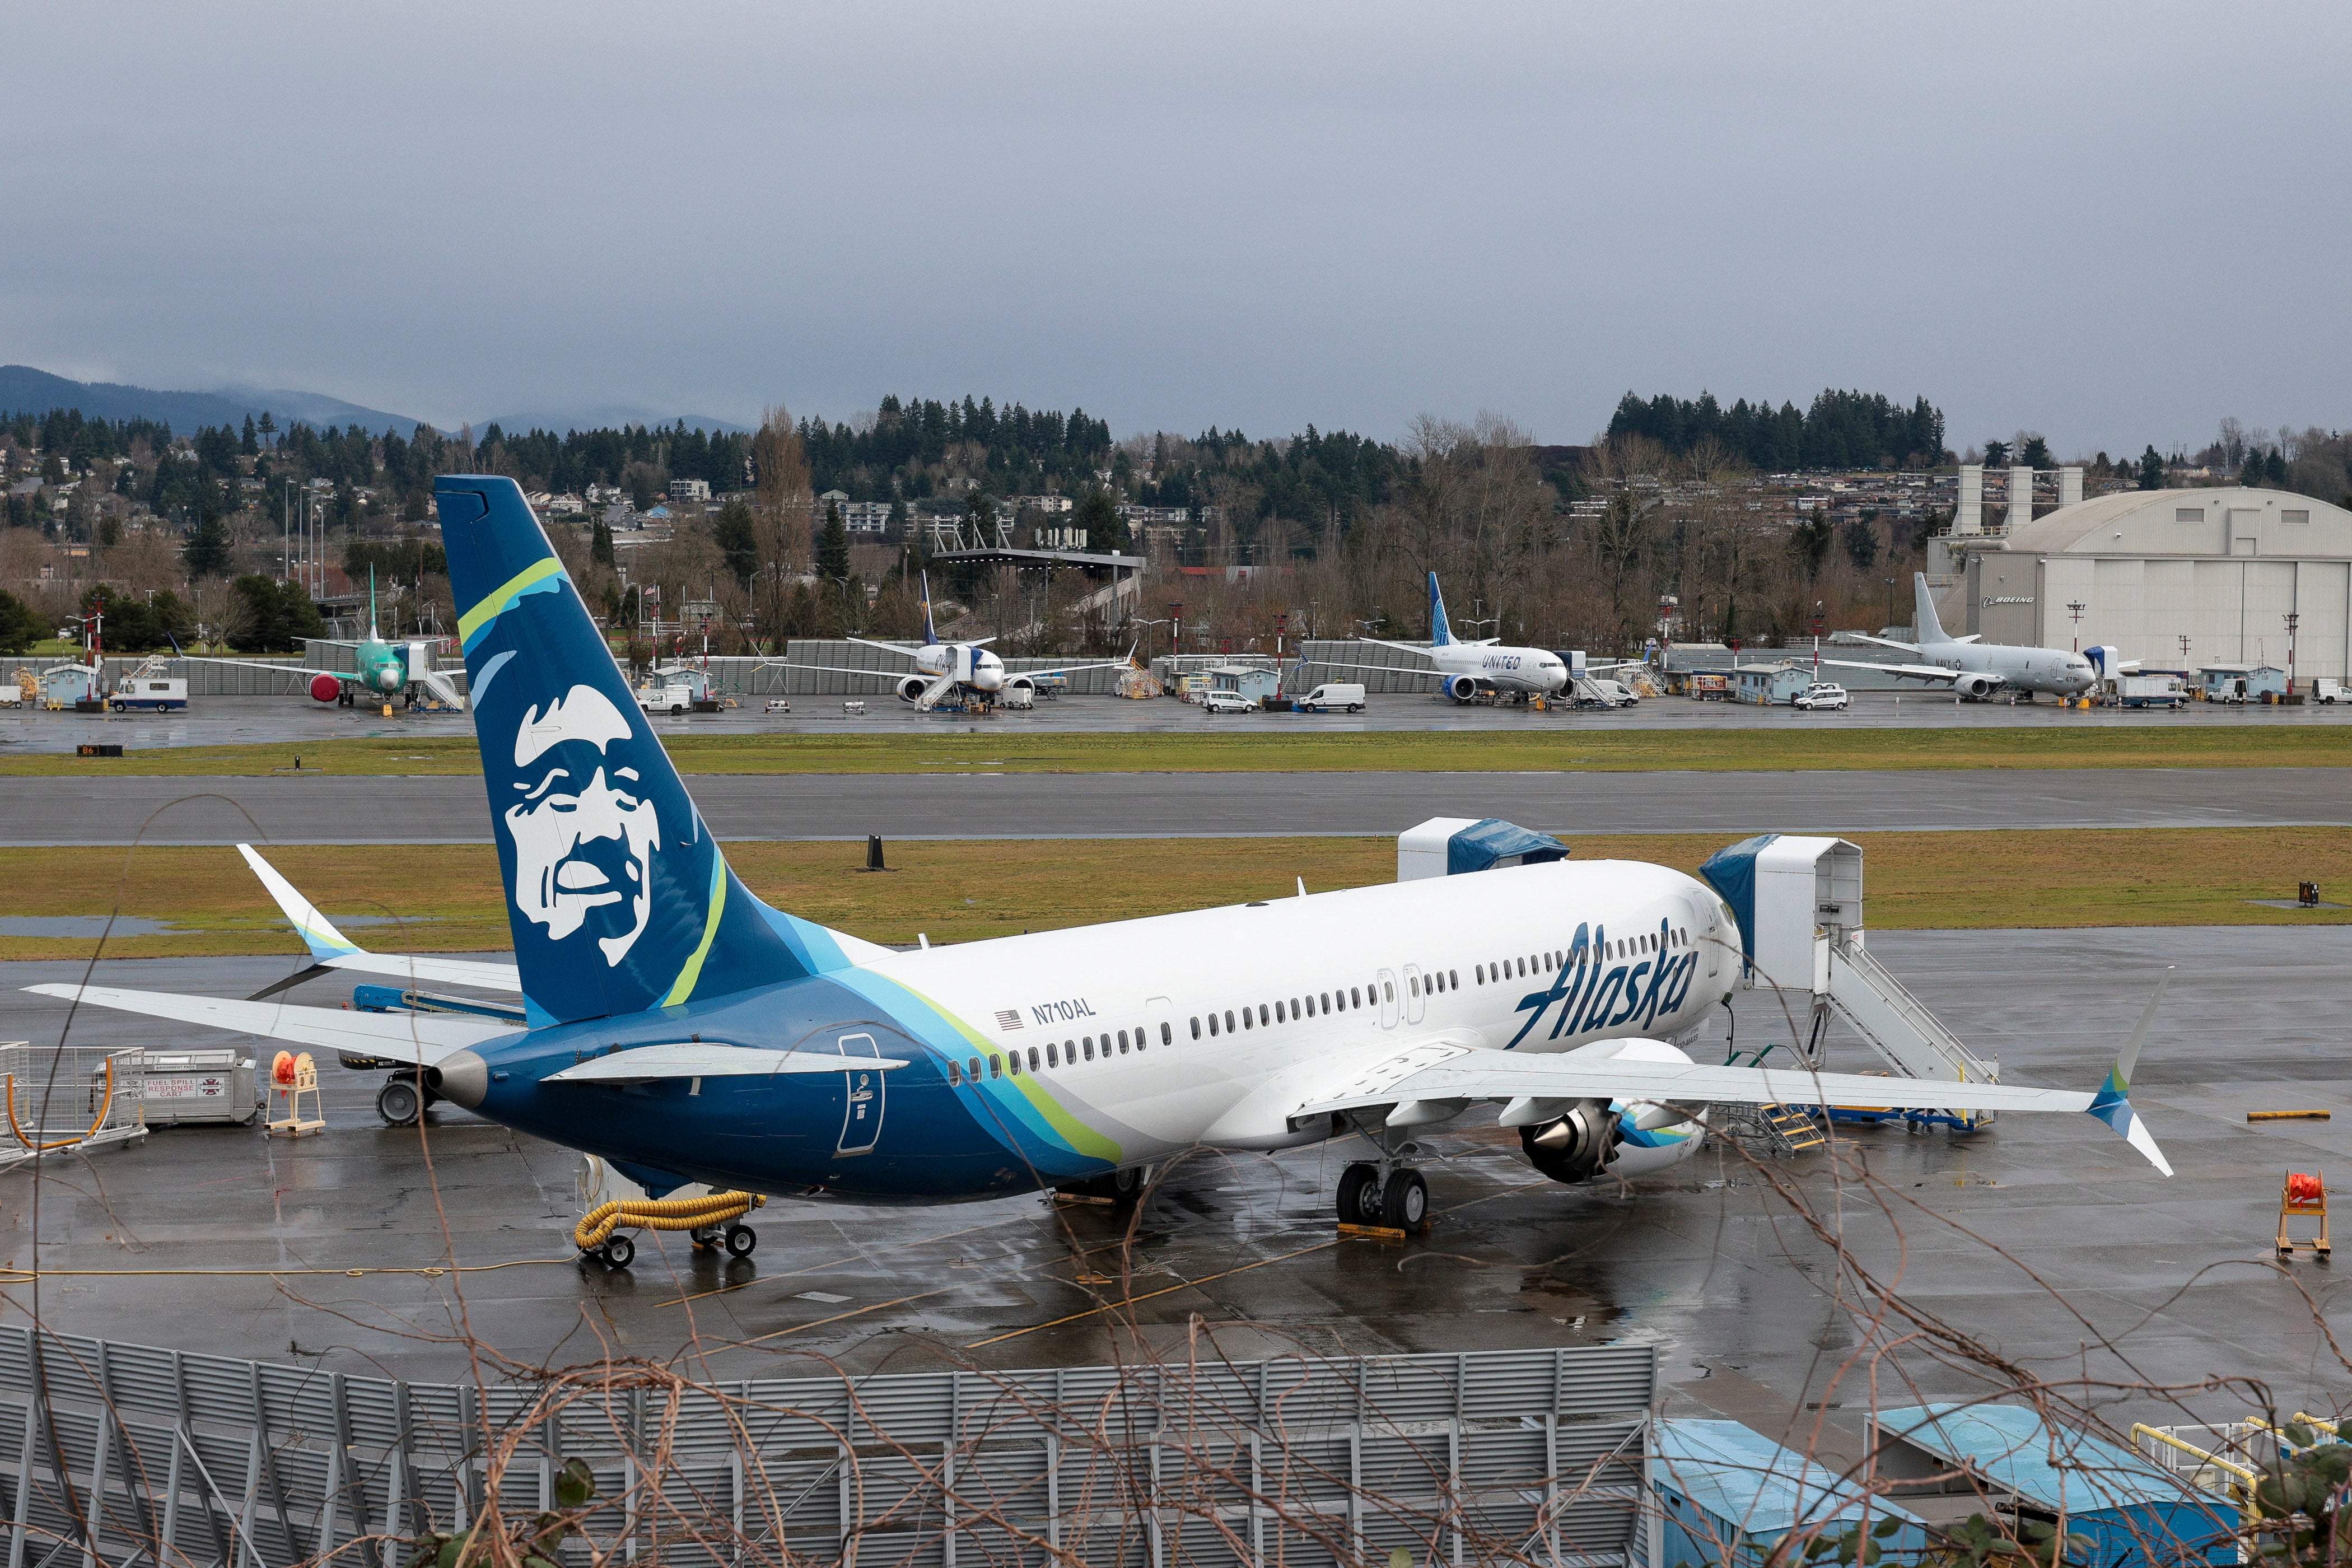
x=2292, y=620
x=2076, y=607
x=1890, y=603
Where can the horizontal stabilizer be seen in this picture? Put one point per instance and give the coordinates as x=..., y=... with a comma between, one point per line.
x=422, y=1038
x=707, y=1058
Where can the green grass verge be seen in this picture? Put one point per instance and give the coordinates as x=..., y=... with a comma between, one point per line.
x=447, y=898
x=2160, y=745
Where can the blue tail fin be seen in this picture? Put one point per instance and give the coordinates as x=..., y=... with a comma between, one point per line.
x=1440, y=634
x=618, y=897
x=929, y=636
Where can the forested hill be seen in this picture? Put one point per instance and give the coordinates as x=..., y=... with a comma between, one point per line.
x=1841, y=431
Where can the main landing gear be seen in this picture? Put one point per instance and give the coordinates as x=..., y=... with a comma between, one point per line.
x=1124, y=1188
x=1384, y=1195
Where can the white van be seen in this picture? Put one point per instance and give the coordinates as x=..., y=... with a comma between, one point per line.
x=1616, y=693
x=1348, y=694
x=2329, y=692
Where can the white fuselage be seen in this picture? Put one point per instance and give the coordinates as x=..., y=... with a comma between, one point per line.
x=965, y=663
x=1534, y=671
x=1115, y=1022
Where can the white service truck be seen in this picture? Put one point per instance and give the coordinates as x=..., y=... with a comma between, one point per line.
x=1346, y=694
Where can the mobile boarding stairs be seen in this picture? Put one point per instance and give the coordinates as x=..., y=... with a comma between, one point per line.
x=1798, y=903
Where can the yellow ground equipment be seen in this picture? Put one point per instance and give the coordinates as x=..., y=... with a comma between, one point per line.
x=713, y=1219
x=2305, y=1196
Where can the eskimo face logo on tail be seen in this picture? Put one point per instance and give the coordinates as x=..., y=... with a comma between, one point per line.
x=585, y=837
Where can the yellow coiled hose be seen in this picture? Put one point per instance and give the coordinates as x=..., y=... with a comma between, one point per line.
x=666, y=1213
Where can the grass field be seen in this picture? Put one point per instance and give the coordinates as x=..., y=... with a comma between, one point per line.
x=445, y=899
x=2159, y=745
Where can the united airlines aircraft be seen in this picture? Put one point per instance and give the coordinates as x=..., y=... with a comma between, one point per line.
x=687, y=1032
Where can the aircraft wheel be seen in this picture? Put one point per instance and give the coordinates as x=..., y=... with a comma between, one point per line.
x=1124, y=1187
x=1359, y=1194
x=400, y=1102
x=619, y=1251
x=740, y=1240
x=1404, y=1201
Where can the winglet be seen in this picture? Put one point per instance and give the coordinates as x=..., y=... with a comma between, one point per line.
x=317, y=931
x=2113, y=1103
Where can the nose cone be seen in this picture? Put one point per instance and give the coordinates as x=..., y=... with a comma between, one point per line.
x=988, y=672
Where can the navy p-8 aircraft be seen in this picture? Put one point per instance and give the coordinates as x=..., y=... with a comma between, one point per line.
x=683, y=1030
x=1973, y=669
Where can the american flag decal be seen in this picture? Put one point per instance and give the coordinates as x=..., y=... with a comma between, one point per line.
x=1008, y=1018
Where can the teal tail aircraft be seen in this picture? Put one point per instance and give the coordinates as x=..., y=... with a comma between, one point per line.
x=682, y=1029
x=380, y=669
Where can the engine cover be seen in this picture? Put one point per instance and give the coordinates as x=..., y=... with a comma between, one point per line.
x=1977, y=687
x=911, y=689
x=325, y=687
x=1575, y=1146
x=1461, y=688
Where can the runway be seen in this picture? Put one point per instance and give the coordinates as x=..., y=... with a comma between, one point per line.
x=327, y=809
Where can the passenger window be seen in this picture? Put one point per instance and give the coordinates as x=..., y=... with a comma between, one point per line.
x=1229, y=1020
x=1212, y=1026
x=1325, y=1007
x=1480, y=970
x=1196, y=1028
x=1355, y=998
x=1053, y=1055
x=996, y=1065
x=1165, y=1035
x=1452, y=980
x=1278, y=1017
x=1032, y=1059
x=1122, y=1042
x=1388, y=990
x=1412, y=985
x=1264, y=1013
x=955, y=1074
x=972, y=1072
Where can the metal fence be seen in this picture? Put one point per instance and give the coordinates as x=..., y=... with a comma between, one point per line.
x=65, y=1099
x=113, y=1453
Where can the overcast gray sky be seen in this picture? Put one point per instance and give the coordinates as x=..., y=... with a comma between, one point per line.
x=2114, y=224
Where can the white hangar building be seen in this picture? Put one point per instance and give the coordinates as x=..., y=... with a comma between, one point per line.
x=2224, y=567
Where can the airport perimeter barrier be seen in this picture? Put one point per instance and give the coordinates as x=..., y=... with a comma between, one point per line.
x=113, y=1453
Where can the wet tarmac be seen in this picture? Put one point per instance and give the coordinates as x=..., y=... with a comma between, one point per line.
x=334, y=1250
x=291, y=721
x=329, y=809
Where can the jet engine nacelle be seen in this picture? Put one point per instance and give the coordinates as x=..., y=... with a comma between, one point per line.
x=911, y=689
x=1576, y=1146
x=1977, y=686
x=1461, y=688
x=325, y=687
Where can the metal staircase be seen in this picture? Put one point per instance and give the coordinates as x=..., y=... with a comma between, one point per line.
x=1896, y=1025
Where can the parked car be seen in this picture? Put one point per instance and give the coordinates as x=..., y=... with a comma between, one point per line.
x=1820, y=695
x=1226, y=702
x=1334, y=694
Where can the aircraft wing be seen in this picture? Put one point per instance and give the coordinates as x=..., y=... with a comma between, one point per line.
x=305, y=671
x=331, y=949
x=1889, y=642
x=1379, y=668
x=1400, y=647
x=423, y=1038
x=1127, y=663
x=884, y=646
x=1446, y=1070
x=1935, y=672
x=843, y=669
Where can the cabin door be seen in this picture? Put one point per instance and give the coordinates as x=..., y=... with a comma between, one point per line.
x=861, y=1113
